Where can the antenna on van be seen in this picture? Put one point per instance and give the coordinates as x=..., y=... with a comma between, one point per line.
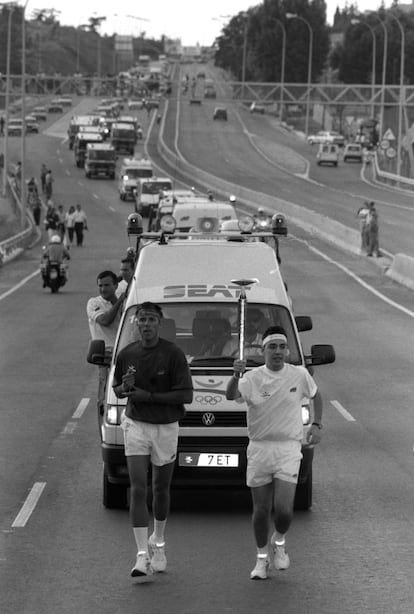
x=243, y=284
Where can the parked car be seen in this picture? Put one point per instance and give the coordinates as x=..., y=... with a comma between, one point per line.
x=353, y=151
x=15, y=126
x=255, y=107
x=326, y=136
x=220, y=113
x=55, y=107
x=40, y=113
x=32, y=124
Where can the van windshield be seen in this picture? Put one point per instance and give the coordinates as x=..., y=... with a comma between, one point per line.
x=103, y=154
x=155, y=187
x=136, y=173
x=208, y=333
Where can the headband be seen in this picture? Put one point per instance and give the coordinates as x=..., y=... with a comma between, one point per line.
x=274, y=337
x=148, y=311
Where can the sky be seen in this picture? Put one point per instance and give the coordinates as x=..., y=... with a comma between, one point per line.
x=191, y=20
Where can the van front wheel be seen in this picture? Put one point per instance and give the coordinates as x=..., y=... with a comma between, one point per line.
x=114, y=495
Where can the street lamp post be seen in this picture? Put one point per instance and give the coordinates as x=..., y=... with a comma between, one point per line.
x=384, y=72
x=10, y=7
x=296, y=16
x=282, y=65
x=374, y=54
x=401, y=101
x=23, y=144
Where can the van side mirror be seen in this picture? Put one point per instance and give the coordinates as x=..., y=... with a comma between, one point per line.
x=96, y=353
x=321, y=355
x=303, y=323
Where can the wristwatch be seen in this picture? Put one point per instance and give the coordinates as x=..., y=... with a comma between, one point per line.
x=317, y=424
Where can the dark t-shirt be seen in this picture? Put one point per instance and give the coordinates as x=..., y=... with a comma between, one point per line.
x=161, y=368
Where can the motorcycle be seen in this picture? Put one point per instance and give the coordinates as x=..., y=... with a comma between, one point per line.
x=54, y=276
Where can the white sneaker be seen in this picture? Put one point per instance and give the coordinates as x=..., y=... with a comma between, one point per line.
x=260, y=570
x=281, y=557
x=142, y=566
x=157, y=555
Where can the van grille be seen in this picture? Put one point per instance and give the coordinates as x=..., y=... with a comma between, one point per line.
x=221, y=418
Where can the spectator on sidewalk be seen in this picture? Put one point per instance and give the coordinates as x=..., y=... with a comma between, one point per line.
x=80, y=224
x=43, y=171
x=70, y=223
x=372, y=222
x=362, y=215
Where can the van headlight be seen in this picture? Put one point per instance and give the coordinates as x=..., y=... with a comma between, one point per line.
x=113, y=414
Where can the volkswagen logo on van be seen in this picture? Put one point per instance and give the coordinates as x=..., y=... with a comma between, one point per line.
x=208, y=419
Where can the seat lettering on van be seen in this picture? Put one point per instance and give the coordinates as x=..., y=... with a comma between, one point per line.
x=204, y=290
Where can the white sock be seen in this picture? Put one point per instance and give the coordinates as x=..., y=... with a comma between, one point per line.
x=141, y=539
x=262, y=552
x=279, y=538
x=159, y=530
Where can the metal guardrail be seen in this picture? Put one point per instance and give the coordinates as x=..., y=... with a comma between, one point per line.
x=390, y=178
x=13, y=245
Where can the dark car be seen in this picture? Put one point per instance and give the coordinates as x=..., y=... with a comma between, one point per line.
x=255, y=107
x=55, y=107
x=220, y=113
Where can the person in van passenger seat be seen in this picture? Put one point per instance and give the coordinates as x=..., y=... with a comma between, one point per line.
x=253, y=336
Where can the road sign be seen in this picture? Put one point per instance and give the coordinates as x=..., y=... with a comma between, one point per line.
x=391, y=153
x=385, y=144
x=389, y=135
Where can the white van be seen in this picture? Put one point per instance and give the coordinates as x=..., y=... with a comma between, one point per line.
x=131, y=170
x=185, y=274
x=148, y=192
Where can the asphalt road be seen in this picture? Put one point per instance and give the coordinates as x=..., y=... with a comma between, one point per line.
x=352, y=553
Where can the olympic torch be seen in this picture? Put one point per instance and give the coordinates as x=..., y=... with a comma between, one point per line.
x=243, y=284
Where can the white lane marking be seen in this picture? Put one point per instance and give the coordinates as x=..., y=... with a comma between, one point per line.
x=78, y=413
x=69, y=428
x=112, y=209
x=19, y=285
x=343, y=411
x=29, y=505
x=68, y=172
x=95, y=196
x=355, y=277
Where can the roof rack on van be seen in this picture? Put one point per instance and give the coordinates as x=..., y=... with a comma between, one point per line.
x=207, y=228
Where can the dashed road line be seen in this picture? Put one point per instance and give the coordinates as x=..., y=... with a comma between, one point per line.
x=29, y=505
x=343, y=411
x=78, y=413
x=69, y=428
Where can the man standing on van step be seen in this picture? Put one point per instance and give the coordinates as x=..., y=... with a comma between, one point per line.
x=153, y=374
x=104, y=314
x=273, y=393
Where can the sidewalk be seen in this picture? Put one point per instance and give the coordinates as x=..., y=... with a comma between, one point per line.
x=9, y=223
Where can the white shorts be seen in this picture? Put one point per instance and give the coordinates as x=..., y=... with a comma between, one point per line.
x=269, y=460
x=159, y=441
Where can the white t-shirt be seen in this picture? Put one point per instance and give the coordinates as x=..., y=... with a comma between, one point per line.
x=94, y=308
x=274, y=400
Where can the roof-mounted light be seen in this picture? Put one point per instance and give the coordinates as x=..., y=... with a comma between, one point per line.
x=279, y=226
x=134, y=224
x=246, y=223
x=167, y=223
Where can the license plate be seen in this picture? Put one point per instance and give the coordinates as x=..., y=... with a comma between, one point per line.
x=206, y=459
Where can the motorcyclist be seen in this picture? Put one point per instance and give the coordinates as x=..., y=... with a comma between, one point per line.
x=54, y=252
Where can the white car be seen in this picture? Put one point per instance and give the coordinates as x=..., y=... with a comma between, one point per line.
x=326, y=136
x=328, y=153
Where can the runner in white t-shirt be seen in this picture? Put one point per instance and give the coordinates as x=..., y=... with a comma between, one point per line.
x=274, y=393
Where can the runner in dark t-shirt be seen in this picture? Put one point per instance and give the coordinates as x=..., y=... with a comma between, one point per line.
x=153, y=374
